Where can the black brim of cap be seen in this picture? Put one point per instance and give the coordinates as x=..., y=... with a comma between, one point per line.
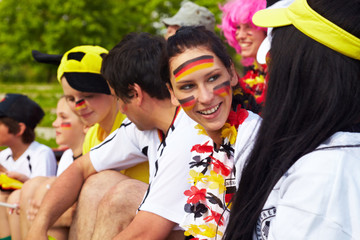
x=46, y=58
x=87, y=82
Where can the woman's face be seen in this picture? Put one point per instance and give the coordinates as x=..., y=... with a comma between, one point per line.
x=249, y=39
x=90, y=107
x=202, y=86
x=68, y=126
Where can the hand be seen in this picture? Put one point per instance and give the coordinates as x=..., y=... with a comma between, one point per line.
x=35, y=202
x=17, y=176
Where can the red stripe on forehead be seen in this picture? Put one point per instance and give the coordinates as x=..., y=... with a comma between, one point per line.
x=191, y=63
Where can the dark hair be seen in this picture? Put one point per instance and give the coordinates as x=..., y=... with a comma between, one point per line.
x=313, y=93
x=28, y=135
x=197, y=36
x=138, y=58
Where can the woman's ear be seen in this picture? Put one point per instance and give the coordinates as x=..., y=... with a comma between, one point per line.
x=234, y=76
x=174, y=100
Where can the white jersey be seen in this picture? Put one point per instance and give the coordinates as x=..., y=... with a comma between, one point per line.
x=318, y=197
x=168, y=157
x=37, y=160
x=67, y=158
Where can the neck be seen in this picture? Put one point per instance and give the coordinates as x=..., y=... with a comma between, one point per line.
x=216, y=137
x=76, y=148
x=108, y=121
x=18, y=149
x=163, y=112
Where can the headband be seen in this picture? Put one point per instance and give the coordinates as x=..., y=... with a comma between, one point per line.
x=312, y=24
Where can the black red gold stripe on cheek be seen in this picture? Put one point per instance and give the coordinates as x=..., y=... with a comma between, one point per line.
x=80, y=104
x=222, y=89
x=193, y=65
x=65, y=125
x=187, y=103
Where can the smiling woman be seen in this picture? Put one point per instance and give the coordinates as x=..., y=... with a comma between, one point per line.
x=246, y=38
x=204, y=82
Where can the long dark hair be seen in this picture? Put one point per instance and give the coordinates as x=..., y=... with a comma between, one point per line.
x=313, y=92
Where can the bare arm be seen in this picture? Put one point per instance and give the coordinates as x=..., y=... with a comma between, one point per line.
x=146, y=226
x=62, y=195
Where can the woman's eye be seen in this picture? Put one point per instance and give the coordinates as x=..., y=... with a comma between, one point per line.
x=213, y=78
x=186, y=87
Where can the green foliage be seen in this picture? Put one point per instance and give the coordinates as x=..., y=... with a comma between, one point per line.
x=56, y=26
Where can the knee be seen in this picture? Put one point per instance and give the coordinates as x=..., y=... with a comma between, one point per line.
x=98, y=184
x=31, y=185
x=126, y=195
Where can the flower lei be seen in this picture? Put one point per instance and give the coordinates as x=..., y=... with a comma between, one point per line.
x=212, y=175
x=254, y=82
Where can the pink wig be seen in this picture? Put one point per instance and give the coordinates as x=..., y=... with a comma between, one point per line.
x=235, y=12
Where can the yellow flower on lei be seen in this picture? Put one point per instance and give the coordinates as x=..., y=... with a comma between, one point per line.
x=217, y=181
x=196, y=177
x=201, y=129
x=192, y=229
x=229, y=132
x=210, y=230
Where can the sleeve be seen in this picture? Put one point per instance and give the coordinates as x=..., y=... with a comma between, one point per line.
x=165, y=196
x=43, y=163
x=120, y=150
x=65, y=161
x=319, y=199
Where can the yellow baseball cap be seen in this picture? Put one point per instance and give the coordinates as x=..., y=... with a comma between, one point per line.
x=81, y=67
x=312, y=24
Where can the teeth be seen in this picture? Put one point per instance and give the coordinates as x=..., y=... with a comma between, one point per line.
x=210, y=111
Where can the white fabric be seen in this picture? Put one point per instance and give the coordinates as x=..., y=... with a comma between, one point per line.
x=318, y=197
x=66, y=159
x=37, y=160
x=168, y=161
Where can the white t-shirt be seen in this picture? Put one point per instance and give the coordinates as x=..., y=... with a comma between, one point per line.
x=318, y=197
x=168, y=161
x=37, y=160
x=66, y=159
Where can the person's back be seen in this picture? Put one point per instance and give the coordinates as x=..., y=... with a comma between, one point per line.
x=306, y=156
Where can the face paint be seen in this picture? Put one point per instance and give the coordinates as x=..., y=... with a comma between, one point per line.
x=187, y=103
x=222, y=89
x=193, y=65
x=65, y=125
x=80, y=104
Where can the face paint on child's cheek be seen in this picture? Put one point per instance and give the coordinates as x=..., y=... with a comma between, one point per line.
x=222, y=89
x=80, y=104
x=187, y=103
x=65, y=125
x=193, y=65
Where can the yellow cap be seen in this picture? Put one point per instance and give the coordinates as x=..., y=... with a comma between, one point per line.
x=312, y=24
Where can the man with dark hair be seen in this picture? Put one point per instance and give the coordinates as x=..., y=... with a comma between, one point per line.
x=155, y=130
x=24, y=158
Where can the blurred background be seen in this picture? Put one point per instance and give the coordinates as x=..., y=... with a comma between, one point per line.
x=55, y=26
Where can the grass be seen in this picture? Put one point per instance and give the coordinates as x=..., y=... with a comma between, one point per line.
x=45, y=94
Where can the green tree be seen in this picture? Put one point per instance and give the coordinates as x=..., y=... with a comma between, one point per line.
x=55, y=26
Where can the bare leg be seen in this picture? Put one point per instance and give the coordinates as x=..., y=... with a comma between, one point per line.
x=27, y=193
x=14, y=218
x=92, y=192
x=118, y=208
x=4, y=223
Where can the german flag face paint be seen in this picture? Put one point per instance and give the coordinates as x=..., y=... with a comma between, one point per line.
x=187, y=103
x=80, y=104
x=193, y=65
x=222, y=89
x=65, y=125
